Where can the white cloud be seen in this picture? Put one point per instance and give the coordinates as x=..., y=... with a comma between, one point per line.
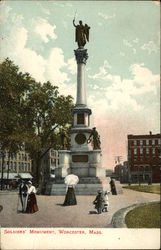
x=121, y=93
x=150, y=47
x=27, y=58
x=45, y=30
x=4, y=10
x=103, y=70
x=127, y=43
x=130, y=44
x=54, y=67
x=72, y=66
x=145, y=78
x=106, y=17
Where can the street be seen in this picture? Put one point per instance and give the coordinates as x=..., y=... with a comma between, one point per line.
x=52, y=214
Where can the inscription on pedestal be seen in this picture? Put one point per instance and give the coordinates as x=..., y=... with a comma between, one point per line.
x=80, y=158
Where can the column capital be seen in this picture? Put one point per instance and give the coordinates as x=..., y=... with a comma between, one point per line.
x=81, y=55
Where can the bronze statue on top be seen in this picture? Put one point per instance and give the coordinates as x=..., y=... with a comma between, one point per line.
x=81, y=33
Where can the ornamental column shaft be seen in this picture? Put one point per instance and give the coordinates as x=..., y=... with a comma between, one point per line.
x=81, y=58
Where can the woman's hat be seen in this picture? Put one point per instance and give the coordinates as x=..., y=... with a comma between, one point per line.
x=29, y=182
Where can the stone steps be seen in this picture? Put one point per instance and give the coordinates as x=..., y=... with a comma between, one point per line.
x=86, y=186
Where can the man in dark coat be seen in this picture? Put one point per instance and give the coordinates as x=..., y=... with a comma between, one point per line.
x=23, y=188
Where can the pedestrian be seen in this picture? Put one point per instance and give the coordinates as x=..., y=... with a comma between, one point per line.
x=23, y=194
x=31, y=201
x=99, y=202
x=106, y=202
x=70, y=198
x=113, y=187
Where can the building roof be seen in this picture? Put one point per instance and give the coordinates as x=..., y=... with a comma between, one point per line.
x=148, y=136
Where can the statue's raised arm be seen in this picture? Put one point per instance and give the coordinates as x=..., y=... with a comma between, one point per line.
x=74, y=23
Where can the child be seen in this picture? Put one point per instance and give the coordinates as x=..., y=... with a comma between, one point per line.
x=106, y=202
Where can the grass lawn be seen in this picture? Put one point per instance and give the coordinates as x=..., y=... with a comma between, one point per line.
x=147, y=216
x=145, y=188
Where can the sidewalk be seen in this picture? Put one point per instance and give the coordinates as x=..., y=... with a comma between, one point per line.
x=52, y=214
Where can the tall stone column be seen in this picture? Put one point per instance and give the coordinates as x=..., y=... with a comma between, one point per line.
x=81, y=58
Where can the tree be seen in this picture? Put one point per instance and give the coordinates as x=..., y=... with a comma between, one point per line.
x=31, y=113
x=13, y=86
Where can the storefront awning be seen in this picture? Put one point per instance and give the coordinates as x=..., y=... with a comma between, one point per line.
x=14, y=176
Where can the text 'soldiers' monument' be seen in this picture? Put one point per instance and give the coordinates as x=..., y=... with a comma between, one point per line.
x=84, y=157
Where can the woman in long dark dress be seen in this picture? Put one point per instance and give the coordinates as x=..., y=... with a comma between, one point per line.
x=31, y=202
x=70, y=198
x=113, y=187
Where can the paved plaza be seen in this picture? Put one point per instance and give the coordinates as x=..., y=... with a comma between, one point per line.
x=52, y=214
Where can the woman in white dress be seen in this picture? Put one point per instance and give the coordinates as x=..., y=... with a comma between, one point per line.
x=31, y=202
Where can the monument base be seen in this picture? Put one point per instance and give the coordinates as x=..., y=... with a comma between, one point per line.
x=86, y=186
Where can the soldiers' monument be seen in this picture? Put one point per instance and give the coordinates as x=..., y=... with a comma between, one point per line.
x=84, y=157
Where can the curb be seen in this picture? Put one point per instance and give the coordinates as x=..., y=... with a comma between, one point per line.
x=118, y=219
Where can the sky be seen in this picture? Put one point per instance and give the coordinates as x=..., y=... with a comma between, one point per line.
x=122, y=71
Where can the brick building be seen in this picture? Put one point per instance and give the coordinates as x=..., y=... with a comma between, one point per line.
x=17, y=163
x=144, y=157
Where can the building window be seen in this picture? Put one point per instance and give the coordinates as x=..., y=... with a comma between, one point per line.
x=141, y=142
x=147, y=142
x=147, y=150
x=153, y=169
x=141, y=168
x=153, y=151
x=141, y=151
x=135, y=168
x=153, y=142
x=135, y=142
x=147, y=168
x=135, y=151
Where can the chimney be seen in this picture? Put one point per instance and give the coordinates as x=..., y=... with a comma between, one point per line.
x=150, y=132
